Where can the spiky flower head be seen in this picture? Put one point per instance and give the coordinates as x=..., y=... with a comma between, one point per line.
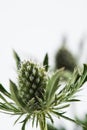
x=32, y=80
x=36, y=96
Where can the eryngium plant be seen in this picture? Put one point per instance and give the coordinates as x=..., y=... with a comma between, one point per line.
x=38, y=95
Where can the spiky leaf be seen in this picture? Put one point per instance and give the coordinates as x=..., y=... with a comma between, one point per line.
x=17, y=59
x=4, y=91
x=46, y=62
x=53, y=85
x=14, y=94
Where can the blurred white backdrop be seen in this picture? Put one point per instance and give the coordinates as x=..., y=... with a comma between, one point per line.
x=34, y=27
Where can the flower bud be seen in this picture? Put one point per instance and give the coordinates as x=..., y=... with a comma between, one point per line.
x=32, y=80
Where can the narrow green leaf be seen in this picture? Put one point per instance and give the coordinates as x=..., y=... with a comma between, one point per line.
x=5, y=107
x=52, y=85
x=69, y=119
x=61, y=107
x=84, y=75
x=3, y=98
x=42, y=122
x=50, y=117
x=14, y=94
x=9, y=104
x=4, y=112
x=17, y=59
x=46, y=62
x=37, y=120
x=4, y=91
x=65, y=117
x=73, y=100
x=33, y=120
x=24, y=122
x=84, y=68
x=18, y=119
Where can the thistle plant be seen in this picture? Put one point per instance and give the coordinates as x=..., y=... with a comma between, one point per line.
x=38, y=95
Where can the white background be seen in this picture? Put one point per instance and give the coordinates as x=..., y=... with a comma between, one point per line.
x=34, y=27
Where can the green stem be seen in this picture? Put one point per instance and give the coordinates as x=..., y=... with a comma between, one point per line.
x=41, y=125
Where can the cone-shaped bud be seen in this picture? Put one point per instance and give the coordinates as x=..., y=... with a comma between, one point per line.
x=32, y=80
x=65, y=59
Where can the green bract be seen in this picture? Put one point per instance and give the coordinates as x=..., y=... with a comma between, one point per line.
x=37, y=96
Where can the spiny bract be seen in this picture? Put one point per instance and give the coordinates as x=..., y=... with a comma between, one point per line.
x=32, y=80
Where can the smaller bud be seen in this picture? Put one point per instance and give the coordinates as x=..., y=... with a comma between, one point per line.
x=28, y=67
x=37, y=80
x=34, y=71
x=34, y=86
x=21, y=93
x=27, y=96
x=26, y=74
x=24, y=80
x=27, y=83
x=31, y=91
x=31, y=78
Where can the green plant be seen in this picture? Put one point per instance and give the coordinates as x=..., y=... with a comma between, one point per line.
x=38, y=95
x=64, y=58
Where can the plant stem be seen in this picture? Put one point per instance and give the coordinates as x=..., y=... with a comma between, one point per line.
x=41, y=125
